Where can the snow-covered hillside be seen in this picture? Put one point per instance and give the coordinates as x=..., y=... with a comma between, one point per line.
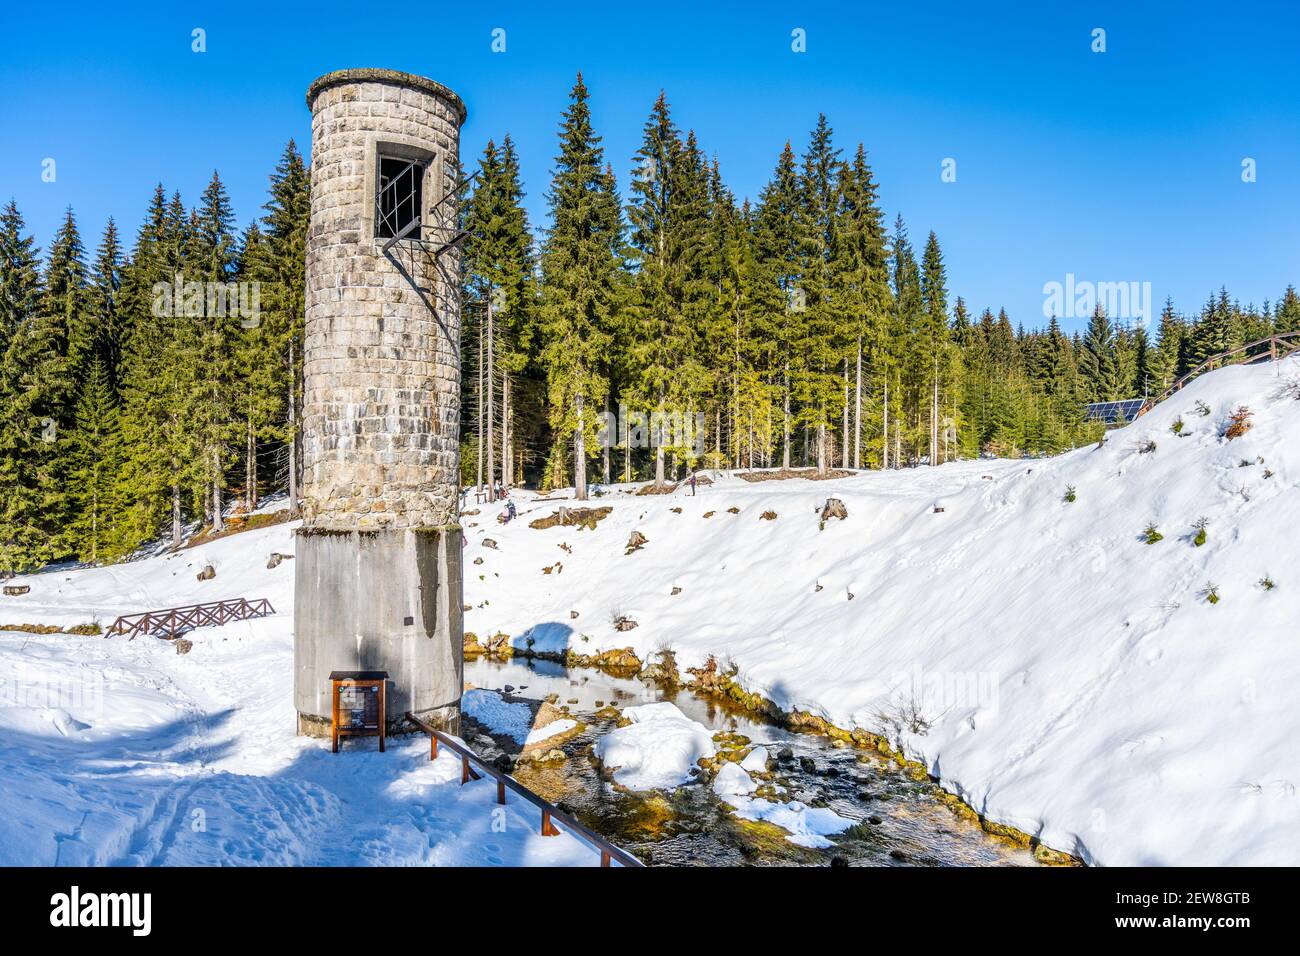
x=1061, y=674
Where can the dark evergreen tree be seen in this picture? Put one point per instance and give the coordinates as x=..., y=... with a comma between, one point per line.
x=1097, y=365
x=581, y=270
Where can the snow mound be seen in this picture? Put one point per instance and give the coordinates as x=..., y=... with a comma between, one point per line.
x=732, y=780
x=755, y=760
x=657, y=750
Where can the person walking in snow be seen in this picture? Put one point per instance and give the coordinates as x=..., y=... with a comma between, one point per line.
x=692, y=484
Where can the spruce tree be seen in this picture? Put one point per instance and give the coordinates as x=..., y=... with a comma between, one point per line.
x=1286, y=317
x=26, y=422
x=498, y=268
x=161, y=458
x=1097, y=364
x=213, y=263
x=860, y=283
x=93, y=460
x=581, y=265
x=780, y=239
x=822, y=337
x=934, y=339
x=286, y=215
x=668, y=216
x=106, y=318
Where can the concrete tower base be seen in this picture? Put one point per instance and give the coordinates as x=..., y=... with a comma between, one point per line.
x=379, y=600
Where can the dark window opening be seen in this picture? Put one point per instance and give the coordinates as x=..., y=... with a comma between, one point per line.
x=399, y=201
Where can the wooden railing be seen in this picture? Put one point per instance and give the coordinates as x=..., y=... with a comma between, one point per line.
x=173, y=621
x=1278, y=346
x=551, y=814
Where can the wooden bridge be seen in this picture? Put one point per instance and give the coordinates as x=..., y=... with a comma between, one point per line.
x=1268, y=349
x=551, y=814
x=173, y=621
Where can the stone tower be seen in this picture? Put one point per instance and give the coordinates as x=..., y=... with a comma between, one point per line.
x=378, y=569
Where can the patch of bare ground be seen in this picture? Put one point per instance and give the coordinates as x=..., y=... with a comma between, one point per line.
x=572, y=518
x=784, y=474
x=236, y=524
x=667, y=488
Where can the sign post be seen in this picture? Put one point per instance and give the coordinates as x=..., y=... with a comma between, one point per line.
x=358, y=705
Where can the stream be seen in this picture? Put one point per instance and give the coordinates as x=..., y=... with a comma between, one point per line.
x=898, y=821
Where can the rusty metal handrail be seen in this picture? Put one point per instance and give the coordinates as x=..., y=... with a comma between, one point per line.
x=172, y=620
x=550, y=812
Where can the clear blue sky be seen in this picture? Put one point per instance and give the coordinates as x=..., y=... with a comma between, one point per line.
x=1123, y=165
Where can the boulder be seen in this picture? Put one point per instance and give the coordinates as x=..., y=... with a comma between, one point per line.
x=207, y=574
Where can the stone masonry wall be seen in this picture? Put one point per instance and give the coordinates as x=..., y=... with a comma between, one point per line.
x=381, y=403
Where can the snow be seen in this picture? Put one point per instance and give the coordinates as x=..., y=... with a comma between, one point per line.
x=1037, y=656
x=732, y=780
x=513, y=718
x=117, y=752
x=807, y=826
x=755, y=760
x=657, y=750
x=1065, y=677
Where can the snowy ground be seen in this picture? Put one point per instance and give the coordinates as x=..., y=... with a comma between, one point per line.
x=123, y=752
x=1062, y=675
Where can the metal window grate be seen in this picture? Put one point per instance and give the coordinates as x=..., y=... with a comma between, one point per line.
x=399, y=201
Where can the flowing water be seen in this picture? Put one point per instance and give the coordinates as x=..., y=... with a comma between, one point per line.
x=899, y=821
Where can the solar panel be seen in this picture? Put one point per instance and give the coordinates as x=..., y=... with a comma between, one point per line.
x=1113, y=412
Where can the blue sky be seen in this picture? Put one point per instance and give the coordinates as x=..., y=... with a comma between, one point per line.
x=1117, y=166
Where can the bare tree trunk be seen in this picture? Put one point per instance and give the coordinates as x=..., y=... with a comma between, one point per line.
x=821, y=448
x=491, y=410
x=659, y=464
x=785, y=421
x=478, y=401
x=625, y=435
x=857, y=411
x=750, y=462
x=250, y=470
x=604, y=451
x=844, y=452
x=507, y=479
x=898, y=443
x=718, y=437
x=934, y=416
x=176, y=516
x=579, y=456
x=884, y=448
x=218, y=521
x=293, y=432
